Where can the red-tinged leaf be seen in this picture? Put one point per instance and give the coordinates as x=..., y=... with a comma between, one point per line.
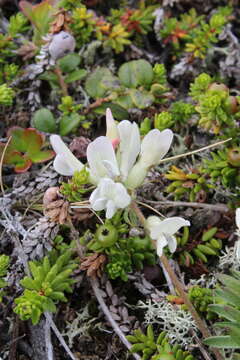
x=39, y=15
x=43, y=156
x=11, y=156
x=17, y=142
x=33, y=140
x=21, y=168
x=14, y=158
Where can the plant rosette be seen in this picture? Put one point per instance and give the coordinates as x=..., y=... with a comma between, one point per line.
x=24, y=149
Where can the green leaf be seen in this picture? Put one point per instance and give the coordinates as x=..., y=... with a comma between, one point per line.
x=40, y=15
x=58, y=295
x=12, y=157
x=36, y=313
x=93, y=83
x=43, y=120
x=17, y=142
x=236, y=356
x=141, y=99
x=110, y=82
x=69, y=62
x=23, y=166
x=33, y=141
x=42, y=156
x=229, y=297
x=48, y=305
x=231, y=283
x=29, y=283
x=75, y=76
x=34, y=268
x=236, y=274
x=135, y=73
x=51, y=77
x=226, y=311
x=125, y=101
x=69, y=123
x=119, y=113
x=223, y=342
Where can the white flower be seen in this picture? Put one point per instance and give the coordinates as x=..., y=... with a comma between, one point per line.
x=65, y=163
x=124, y=170
x=129, y=146
x=154, y=147
x=237, y=244
x=163, y=230
x=109, y=196
x=102, y=159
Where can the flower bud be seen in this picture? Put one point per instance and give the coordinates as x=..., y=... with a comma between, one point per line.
x=61, y=44
x=112, y=130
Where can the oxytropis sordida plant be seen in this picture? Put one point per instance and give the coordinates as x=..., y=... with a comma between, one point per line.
x=118, y=164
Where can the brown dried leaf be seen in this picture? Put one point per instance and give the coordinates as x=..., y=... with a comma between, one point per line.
x=27, y=51
x=188, y=184
x=50, y=195
x=93, y=264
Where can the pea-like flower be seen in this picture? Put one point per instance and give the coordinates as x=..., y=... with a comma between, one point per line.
x=65, y=163
x=163, y=231
x=127, y=166
x=110, y=196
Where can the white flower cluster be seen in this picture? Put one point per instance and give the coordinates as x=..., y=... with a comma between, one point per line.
x=118, y=163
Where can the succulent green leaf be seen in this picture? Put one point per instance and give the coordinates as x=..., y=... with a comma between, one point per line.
x=68, y=123
x=94, y=83
x=29, y=283
x=69, y=62
x=141, y=99
x=118, y=112
x=75, y=76
x=43, y=120
x=136, y=73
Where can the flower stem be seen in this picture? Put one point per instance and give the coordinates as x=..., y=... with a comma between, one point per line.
x=179, y=286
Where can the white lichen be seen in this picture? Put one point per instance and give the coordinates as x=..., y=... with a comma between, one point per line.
x=79, y=326
x=228, y=259
x=172, y=319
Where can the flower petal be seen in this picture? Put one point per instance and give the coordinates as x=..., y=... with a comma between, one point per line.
x=95, y=195
x=136, y=176
x=99, y=204
x=154, y=146
x=171, y=225
x=97, y=151
x=111, y=209
x=129, y=146
x=238, y=218
x=109, y=196
x=172, y=243
x=112, y=130
x=121, y=198
x=65, y=162
x=161, y=243
x=153, y=224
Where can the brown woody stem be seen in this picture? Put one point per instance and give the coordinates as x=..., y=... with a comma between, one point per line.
x=61, y=81
x=96, y=104
x=179, y=286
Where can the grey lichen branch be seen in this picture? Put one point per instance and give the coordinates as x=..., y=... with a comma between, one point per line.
x=107, y=313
